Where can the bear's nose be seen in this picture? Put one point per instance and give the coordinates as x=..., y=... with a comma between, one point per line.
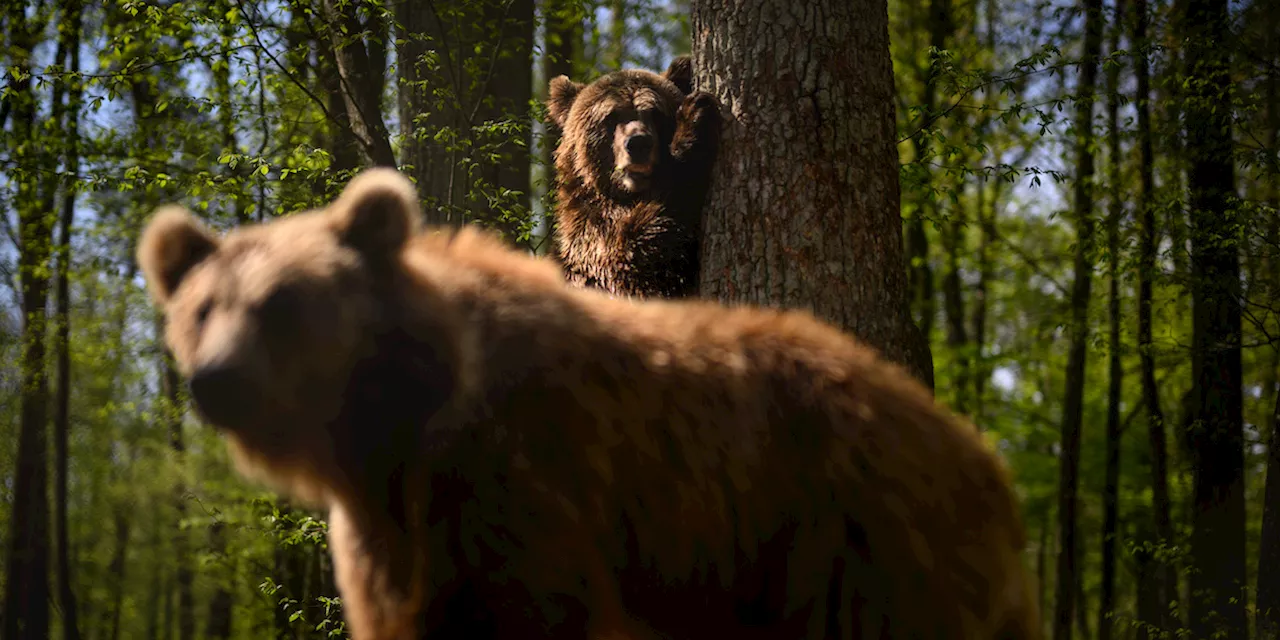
x=639, y=146
x=223, y=394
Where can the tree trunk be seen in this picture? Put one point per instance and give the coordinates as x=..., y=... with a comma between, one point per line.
x=1111, y=485
x=116, y=572
x=1148, y=603
x=171, y=413
x=1166, y=579
x=26, y=600
x=1215, y=431
x=341, y=142
x=953, y=303
x=72, y=17
x=940, y=27
x=1073, y=398
x=482, y=72
x=807, y=212
x=357, y=76
x=221, y=604
x=617, y=34
x=1267, y=619
x=562, y=50
x=1042, y=566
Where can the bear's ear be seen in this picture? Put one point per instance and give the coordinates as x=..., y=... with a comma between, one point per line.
x=377, y=213
x=173, y=242
x=680, y=73
x=560, y=97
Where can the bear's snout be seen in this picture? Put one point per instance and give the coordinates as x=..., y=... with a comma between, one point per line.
x=224, y=395
x=639, y=146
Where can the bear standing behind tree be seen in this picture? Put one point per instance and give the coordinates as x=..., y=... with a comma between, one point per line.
x=633, y=166
x=504, y=457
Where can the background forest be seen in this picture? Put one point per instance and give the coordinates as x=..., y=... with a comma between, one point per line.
x=1089, y=197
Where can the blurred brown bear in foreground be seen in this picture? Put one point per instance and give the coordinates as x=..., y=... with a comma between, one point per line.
x=506, y=457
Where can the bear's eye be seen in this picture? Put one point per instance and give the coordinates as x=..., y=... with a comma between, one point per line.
x=202, y=312
x=280, y=307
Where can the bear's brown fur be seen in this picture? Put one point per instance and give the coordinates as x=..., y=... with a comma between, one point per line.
x=507, y=457
x=634, y=165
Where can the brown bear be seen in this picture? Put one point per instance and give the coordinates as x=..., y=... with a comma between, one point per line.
x=633, y=166
x=503, y=456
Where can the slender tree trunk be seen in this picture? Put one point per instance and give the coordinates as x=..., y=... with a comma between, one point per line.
x=1081, y=600
x=1073, y=401
x=1267, y=619
x=482, y=73
x=1215, y=431
x=154, y=598
x=171, y=419
x=941, y=26
x=617, y=33
x=26, y=600
x=1148, y=579
x=982, y=369
x=1042, y=565
x=807, y=214
x=62, y=402
x=221, y=604
x=563, y=49
x=511, y=91
x=1111, y=487
x=1166, y=579
x=953, y=303
x=116, y=571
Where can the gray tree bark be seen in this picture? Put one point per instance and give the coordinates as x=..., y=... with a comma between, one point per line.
x=803, y=209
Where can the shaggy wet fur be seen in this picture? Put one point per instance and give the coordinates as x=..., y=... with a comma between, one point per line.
x=505, y=457
x=630, y=239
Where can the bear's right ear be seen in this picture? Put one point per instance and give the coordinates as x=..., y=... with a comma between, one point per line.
x=680, y=73
x=560, y=97
x=377, y=213
x=173, y=242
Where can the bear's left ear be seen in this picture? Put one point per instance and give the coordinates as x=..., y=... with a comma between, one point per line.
x=680, y=73
x=173, y=243
x=377, y=213
x=560, y=97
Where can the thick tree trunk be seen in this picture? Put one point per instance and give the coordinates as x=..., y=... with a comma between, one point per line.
x=1215, y=429
x=804, y=209
x=357, y=78
x=26, y=599
x=1111, y=485
x=1166, y=579
x=1073, y=397
x=341, y=143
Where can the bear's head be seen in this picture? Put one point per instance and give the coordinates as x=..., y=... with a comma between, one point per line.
x=617, y=130
x=271, y=323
